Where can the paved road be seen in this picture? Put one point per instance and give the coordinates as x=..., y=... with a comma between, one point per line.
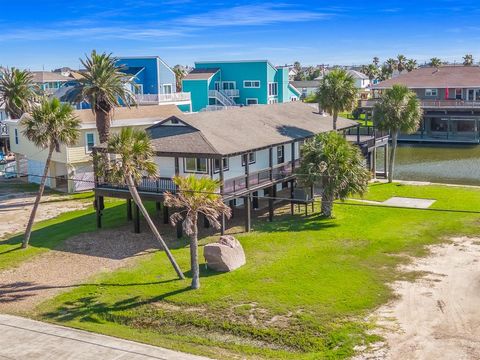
x=22, y=338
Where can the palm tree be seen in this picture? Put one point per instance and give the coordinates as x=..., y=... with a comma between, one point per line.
x=385, y=73
x=435, y=62
x=392, y=65
x=50, y=125
x=337, y=92
x=104, y=86
x=16, y=91
x=397, y=111
x=196, y=196
x=335, y=166
x=376, y=61
x=132, y=153
x=179, y=75
x=371, y=71
x=468, y=60
x=401, y=62
x=411, y=65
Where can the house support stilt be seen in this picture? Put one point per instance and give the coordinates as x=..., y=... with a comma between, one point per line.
x=248, y=213
x=129, y=209
x=136, y=219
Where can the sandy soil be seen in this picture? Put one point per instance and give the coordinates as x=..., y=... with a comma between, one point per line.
x=80, y=258
x=14, y=212
x=437, y=316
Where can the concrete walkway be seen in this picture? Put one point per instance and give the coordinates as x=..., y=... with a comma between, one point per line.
x=29, y=339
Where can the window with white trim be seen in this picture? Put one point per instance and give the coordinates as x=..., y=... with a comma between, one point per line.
x=251, y=84
x=431, y=92
x=216, y=164
x=251, y=101
x=228, y=85
x=195, y=165
x=167, y=88
x=250, y=156
x=272, y=89
x=89, y=142
x=280, y=154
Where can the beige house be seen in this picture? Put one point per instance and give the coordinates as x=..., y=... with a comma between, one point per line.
x=71, y=169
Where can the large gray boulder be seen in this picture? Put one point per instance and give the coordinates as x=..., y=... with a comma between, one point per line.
x=225, y=255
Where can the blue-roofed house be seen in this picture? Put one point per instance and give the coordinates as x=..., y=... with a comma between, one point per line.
x=155, y=81
x=215, y=85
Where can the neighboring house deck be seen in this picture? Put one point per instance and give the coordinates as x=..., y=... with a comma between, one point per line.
x=252, y=151
x=450, y=98
x=216, y=85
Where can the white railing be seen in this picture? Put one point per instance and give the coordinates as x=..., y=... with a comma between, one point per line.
x=159, y=98
x=434, y=104
x=220, y=96
x=232, y=92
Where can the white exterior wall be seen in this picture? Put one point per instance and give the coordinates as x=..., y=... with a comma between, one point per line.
x=165, y=76
x=166, y=166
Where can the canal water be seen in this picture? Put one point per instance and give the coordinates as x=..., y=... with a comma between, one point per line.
x=454, y=164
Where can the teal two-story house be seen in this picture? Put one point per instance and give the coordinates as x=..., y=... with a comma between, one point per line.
x=216, y=85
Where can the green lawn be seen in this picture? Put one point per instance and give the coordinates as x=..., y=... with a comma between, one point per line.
x=306, y=288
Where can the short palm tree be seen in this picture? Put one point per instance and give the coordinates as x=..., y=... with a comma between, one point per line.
x=411, y=65
x=397, y=111
x=179, y=75
x=132, y=152
x=468, y=60
x=50, y=125
x=371, y=71
x=376, y=61
x=435, y=62
x=16, y=91
x=337, y=92
x=196, y=196
x=385, y=73
x=104, y=86
x=335, y=166
x=401, y=62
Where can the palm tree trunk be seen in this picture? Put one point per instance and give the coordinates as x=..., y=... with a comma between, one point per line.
x=138, y=201
x=335, y=117
x=28, y=231
x=391, y=165
x=327, y=205
x=194, y=256
x=102, y=120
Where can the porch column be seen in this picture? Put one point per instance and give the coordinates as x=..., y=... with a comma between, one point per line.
x=270, y=203
x=165, y=214
x=374, y=162
x=98, y=210
x=385, y=160
x=136, y=219
x=222, y=180
x=248, y=212
x=129, y=209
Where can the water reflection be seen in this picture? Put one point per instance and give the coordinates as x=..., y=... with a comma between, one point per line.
x=442, y=163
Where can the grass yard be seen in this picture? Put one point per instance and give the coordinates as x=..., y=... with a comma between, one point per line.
x=306, y=288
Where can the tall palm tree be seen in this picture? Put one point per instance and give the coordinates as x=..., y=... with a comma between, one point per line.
x=179, y=75
x=468, y=60
x=411, y=65
x=371, y=71
x=196, y=196
x=337, y=92
x=376, y=61
x=385, y=73
x=435, y=62
x=401, y=62
x=391, y=64
x=50, y=125
x=132, y=153
x=335, y=166
x=16, y=91
x=104, y=86
x=397, y=111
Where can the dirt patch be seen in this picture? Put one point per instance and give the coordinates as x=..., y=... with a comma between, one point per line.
x=438, y=315
x=79, y=258
x=14, y=213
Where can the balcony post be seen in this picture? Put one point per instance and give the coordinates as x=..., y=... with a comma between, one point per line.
x=222, y=179
x=270, y=162
x=270, y=203
x=247, y=171
x=248, y=212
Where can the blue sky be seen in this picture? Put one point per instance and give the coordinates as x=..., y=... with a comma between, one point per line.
x=52, y=33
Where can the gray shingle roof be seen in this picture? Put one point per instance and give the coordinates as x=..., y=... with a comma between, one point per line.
x=243, y=129
x=201, y=74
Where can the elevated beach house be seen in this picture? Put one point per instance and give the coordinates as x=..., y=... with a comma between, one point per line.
x=71, y=169
x=252, y=151
x=216, y=85
x=450, y=98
